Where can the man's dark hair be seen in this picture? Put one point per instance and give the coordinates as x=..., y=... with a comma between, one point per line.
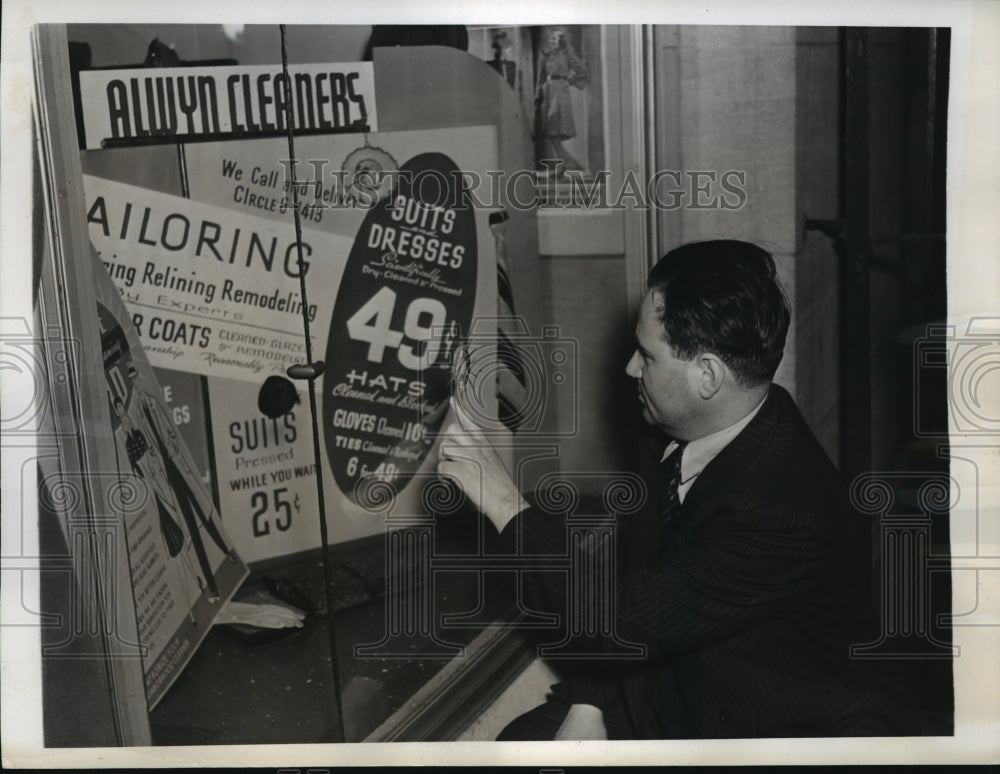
x=722, y=296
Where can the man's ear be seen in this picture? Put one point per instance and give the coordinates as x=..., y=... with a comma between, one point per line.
x=711, y=374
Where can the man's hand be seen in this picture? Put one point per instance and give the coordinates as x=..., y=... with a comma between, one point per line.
x=583, y=721
x=469, y=459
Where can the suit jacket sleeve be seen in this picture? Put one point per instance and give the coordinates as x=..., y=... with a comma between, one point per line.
x=740, y=567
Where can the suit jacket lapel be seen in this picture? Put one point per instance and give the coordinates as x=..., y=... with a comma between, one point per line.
x=737, y=460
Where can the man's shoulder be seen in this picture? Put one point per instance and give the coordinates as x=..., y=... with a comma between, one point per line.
x=790, y=438
x=780, y=429
x=777, y=457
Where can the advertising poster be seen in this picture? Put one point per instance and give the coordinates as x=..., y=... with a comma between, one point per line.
x=398, y=253
x=210, y=291
x=122, y=107
x=266, y=473
x=184, y=397
x=184, y=566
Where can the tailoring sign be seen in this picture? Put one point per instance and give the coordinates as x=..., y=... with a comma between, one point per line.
x=211, y=291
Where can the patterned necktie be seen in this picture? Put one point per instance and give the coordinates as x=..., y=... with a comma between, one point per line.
x=670, y=479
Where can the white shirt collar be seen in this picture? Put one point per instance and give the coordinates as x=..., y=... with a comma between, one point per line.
x=701, y=451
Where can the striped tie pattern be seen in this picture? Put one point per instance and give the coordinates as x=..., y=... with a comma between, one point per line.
x=511, y=386
x=670, y=480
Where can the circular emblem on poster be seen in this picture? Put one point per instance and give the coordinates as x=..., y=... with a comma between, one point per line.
x=368, y=173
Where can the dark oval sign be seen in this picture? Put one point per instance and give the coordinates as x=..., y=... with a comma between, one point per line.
x=405, y=299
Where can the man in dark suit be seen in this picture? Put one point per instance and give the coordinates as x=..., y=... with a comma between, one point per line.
x=746, y=584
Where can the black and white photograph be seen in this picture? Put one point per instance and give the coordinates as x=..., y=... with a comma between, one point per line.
x=545, y=389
